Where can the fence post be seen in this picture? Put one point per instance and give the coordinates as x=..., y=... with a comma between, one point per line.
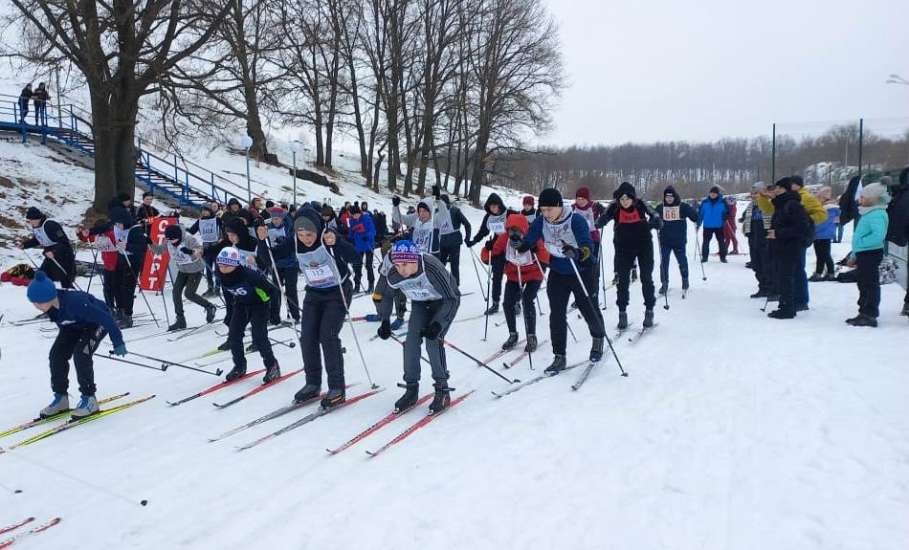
x=176, y=174
x=213, y=194
x=861, y=145
x=295, y=178
x=773, y=157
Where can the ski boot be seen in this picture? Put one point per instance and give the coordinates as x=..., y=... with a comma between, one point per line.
x=685, y=283
x=235, y=373
x=410, y=397
x=179, y=324
x=272, y=373
x=58, y=405
x=307, y=392
x=648, y=318
x=782, y=313
x=442, y=398
x=126, y=321
x=862, y=320
x=596, y=349
x=531, y=345
x=333, y=397
x=558, y=365
x=210, y=312
x=224, y=346
x=493, y=309
x=664, y=287
x=623, y=320
x=512, y=340
x=87, y=406
x=397, y=323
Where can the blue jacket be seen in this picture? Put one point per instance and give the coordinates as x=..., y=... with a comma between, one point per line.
x=581, y=232
x=713, y=212
x=675, y=231
x=247, y=286
x=364, y=240
x=870, y=231
x=826, y=230
x=284, y=256
x=81, y=310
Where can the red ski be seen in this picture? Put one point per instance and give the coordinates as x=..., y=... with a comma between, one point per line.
x=214, y=388
x=34, y=531
x=13, y=527
x=392, y=416
x=416, y=426
x=257, y=389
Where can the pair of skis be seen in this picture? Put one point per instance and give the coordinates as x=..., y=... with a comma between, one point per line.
x=31, y=532
x=59, y=416
x=587, y=364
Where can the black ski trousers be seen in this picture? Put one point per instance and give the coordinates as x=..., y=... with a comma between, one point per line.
x=512, y=296
x=559, y=288
x=625, y=260
x=320, y=329
x=257, y=316
x=78, y=343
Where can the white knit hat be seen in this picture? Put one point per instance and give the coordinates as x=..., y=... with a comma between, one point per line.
x=877, y=192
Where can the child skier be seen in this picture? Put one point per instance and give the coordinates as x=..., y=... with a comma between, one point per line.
x=186, y=254
x=567, y=238
x=275, y=242
x=868, y=252
x=83, y=322
x=105, y=241
x=59, y=259
x=209, y=229
x=632, y=240
x=249, y=293
x=435, y=299
x=524, y=274
x=493, y=224
x=674, y=235
x=132, y=242
x=590, y=211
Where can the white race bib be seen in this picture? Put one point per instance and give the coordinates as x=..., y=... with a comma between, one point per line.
x=671, y=214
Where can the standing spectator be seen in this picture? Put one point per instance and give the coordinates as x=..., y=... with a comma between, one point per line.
x=755, y=226
x=868, y=251
x=787, y=229
x=41, y=97
x=825, y=233
x=898, y=211
x=24, y=97
x=712, y=215
x=146, y=211
x=729, y=227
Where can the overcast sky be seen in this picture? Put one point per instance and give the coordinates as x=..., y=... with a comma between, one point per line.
x=704, y=69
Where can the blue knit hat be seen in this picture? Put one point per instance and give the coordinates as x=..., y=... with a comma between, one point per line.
x=41, y=290
x=405, y=251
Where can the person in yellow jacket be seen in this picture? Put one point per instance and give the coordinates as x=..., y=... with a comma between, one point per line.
x=818, y=214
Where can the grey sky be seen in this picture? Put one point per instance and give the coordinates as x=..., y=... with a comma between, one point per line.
x=647, y=70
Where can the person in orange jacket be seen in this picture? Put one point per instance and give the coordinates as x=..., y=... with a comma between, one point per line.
x=524, y=275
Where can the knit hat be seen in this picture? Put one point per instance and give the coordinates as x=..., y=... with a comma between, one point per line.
x=758, y=186
x=41, y=290
x=715, y=189
x=405, y=251
x=877, y=192
x=277, y=212
x=229, y=255
x=303, y=223
x=550, y=197
x=582, y=193
x=33, y=213
x=173, y=232
x=797, y=180
x=235, y=226
x=785, y=183
x=528, y=201
x=624, y=189
x=354, y=210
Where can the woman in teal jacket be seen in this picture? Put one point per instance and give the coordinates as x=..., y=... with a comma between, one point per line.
x=868, y=251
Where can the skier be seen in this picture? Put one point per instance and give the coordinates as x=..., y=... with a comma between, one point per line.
x=210, y=230
x=238, y=237
x=788, y=227
x=729, y=228
x=435, y=301
x=235, y=210
x=83, y=322
x=363, y=235
x=868, y=251
x=494, y=224
x=275, y=235
x=105, y=241
x=396, y=222
x=712, y=215
x=632, y=240
x=524, y=274
x=132, y=244
x=24, y=97
x=590, y=211
x=186, y=254
x=451, y=241
x=529, y=210
x=674, y=235
x=59, y=262
x=323, y=259
x=250, y=293
x=567, y=238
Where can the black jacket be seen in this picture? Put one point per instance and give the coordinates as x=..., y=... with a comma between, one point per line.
x=632, y=226
x=848, y=205
x=898, y=212
x=789, y=223
x=62, y=248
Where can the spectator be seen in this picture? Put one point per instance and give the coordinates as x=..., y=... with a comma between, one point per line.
x=825, y=233
x=712, y=215
x=868, y=251
x=729, y=227
x=24, y=97
x=41, y=97
x=898, y=212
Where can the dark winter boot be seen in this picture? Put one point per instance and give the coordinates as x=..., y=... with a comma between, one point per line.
x=531, y=345
x=783, y=313
x=663, y=288
x=442, y=399
x=759, y=294
x=210, y=312
x=623, y=321
x=409, y=399
x=685, y=283
x=816, y=278
x=333, y=397
x=179, y=324
x=235, y=373
x=493, y=309
x=224, y=346
x=125, y=322
x=512, y=340
x=307, y=393
x=905, y=309
x=558, y=365
x=596, y=349
x=272, y=373
x=862, y=321
x=648, y=318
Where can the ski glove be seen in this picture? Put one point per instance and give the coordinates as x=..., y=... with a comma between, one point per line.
x=432, y=331
x=576, y=254
x=120, y=350
x=384, y=331
x=470, y=243
x=396, y=200
x=489, y=244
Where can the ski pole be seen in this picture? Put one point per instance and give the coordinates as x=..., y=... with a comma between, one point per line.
x=398, y=340
x=166, y=363
x=697, y=244
x=599, y=320
x=66, y=273
x=603, y=271
x=479, y=363
x=274, y=269
x=665, y=294
x=133, y=363
x=766, y=303
x=352, y=329
x=540, y=266
x=488, y=295
x=164, y=299
x=139, y=286
x=524, y=315
x=91, y=276
x=476, y=270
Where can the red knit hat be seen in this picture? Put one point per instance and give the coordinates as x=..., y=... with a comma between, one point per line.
x=528, y=200
x=582, y=192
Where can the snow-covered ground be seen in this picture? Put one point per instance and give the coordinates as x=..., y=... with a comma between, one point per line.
x=732, y=431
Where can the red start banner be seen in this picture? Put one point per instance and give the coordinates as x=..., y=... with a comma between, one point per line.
x=154, y=270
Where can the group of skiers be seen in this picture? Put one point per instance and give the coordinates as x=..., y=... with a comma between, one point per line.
x=253, y=257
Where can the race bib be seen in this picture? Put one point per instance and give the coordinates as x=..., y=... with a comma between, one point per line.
x=319, y=276
x=104, y=244
x=496, y=228
x=671, y=214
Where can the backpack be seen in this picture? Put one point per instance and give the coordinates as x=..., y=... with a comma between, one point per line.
x=809, y=230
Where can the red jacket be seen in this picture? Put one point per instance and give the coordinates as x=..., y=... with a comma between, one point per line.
x=528, y=272
x=109, y=259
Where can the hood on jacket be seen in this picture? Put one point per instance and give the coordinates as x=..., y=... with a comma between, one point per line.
x=670, y=190
x=624, y=189
x=233, y=201
x=493, y=198
x=517, y=221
